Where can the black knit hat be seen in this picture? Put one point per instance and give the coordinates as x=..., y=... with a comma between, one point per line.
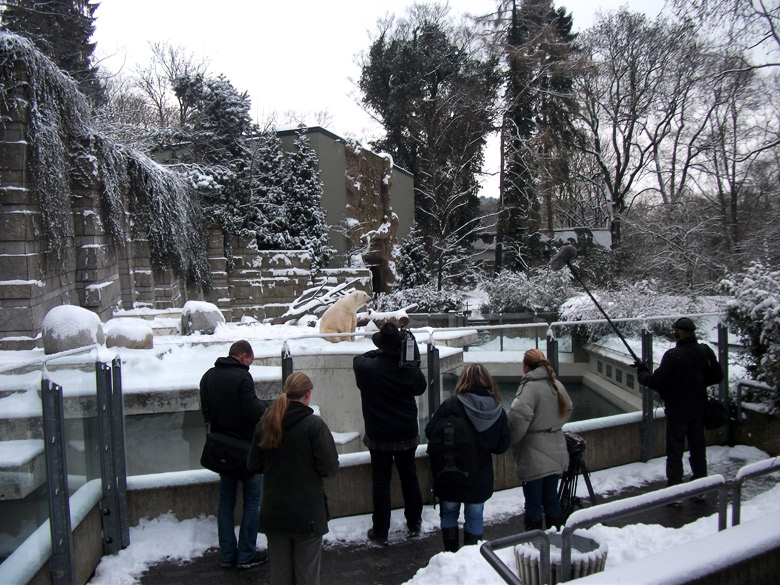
x=685, y=324
x=388, y=338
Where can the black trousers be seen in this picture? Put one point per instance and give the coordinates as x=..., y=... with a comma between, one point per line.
x=381, y=473
x=677, y=431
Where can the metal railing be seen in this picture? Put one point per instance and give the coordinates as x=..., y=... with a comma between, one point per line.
x=614, y=510
x=749, y=471
x=488, y=549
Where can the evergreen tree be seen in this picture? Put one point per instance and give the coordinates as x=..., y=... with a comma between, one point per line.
x=413, y=269
x=270, y=222
x=537, y=125
x=61, y=29
x=434, y=94
x=307, y=227
x=218, y=127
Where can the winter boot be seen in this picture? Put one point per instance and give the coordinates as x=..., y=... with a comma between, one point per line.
x=450, y=536
x=469, y=538
x=555, y=521
x=533, y=525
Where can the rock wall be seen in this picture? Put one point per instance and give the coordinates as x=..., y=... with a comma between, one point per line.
x=101, y=274
x=371, y=221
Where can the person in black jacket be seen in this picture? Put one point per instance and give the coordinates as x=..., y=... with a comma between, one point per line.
x=294, y=450
x=388, y=393
x=680, y=380
x=478, y=394
x=231, y=407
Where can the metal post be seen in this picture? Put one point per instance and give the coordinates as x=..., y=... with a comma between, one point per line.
x=287, y=362
x=434, y=379
x=647, y=427
x=118, y=436
x=109, y=503
x=552, y=353
x=723, y=388
x=61, y=562
x=501, y=332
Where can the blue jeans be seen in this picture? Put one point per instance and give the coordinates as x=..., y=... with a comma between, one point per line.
x=245, y=549
x=450, y=511
x=541, y=494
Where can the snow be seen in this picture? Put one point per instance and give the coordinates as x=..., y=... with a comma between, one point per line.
x=19, y=452
x=128, y=327
x=662, y=553
x=69, y=320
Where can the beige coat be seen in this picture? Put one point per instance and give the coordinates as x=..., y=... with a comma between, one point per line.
x=538, y=443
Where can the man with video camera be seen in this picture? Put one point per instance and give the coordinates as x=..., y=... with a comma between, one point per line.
x=389, y=382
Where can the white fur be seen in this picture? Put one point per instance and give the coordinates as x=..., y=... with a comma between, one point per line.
x=341, y=317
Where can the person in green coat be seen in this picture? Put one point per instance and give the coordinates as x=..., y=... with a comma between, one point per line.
x=294, y=450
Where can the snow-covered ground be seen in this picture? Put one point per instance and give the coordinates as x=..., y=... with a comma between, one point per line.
x=165, y=538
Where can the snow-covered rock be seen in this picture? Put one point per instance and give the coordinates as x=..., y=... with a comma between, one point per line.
x=200, y=316
x=70, y=327
x=129, y=332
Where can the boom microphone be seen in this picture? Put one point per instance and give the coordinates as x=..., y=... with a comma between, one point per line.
x=563, y=257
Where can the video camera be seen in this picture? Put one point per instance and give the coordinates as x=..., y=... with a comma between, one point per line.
x=410, y=355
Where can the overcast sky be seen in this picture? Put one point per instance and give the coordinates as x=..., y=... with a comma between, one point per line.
x=295, y=55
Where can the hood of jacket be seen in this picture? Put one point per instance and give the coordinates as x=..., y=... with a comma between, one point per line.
x=480, y=407
x=296, y=412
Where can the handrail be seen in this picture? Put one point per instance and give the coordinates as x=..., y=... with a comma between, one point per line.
x=620, y=508
x=487, y=550
x=746, y=472
x=744, y=383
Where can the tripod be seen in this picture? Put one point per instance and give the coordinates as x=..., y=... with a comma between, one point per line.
x=567, y=491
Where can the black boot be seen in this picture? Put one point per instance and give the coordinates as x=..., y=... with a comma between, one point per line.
x=555, y=521
x=533, y=525
x=469, y=538
x=450, y=536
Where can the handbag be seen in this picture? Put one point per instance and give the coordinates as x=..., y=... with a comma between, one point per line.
x=715, y=414
x=226, y=455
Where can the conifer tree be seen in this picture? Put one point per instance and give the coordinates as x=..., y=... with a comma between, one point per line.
x=61, y=29
x=537, y=125
x=413, y=268
x=434, y=92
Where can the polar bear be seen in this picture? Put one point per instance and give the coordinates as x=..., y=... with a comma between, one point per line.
x=341, y=317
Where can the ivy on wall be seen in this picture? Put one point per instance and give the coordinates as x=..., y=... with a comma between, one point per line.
x=68, y=148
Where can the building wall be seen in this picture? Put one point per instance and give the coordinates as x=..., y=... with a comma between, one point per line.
x=362, y=191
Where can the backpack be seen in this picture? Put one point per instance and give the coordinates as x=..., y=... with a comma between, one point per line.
x=452, y=450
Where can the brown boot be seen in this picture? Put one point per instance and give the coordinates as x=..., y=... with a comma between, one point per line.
x=450, y=536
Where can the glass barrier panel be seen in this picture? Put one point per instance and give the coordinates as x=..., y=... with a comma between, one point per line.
x=23, y=495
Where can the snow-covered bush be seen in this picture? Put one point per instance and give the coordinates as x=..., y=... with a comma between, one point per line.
x=635, y=301
x=427, y=299
x=537, y=290
x=755, y=313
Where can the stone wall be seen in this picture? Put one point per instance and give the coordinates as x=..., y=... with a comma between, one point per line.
x=374, y=225
x=101, y=274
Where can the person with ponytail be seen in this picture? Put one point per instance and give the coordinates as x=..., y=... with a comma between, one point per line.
x=539, y=410
x=294, y=450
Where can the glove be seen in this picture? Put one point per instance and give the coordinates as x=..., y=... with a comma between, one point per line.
x=640, y=368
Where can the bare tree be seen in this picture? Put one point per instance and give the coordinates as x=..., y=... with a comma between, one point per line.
x=155, y=81
x=741, y=26
x=630, y=97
